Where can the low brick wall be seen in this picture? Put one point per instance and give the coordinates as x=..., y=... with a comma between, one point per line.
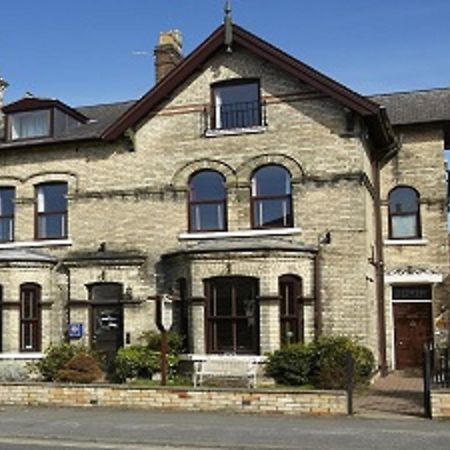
x=199, y=399
x=440, y=403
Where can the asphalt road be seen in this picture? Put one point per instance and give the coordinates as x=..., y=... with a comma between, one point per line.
x=101, y=428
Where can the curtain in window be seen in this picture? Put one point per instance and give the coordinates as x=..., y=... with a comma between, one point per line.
x=32, y=124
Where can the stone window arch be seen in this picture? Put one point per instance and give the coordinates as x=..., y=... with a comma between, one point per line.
x=271, y=197
x=404, y=213
x=207, y=201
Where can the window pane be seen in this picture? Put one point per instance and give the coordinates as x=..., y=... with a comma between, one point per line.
x=52, y=197
x=6, y=229
x=108, y=292
x=404, y=226
x=6, y=201
x=30, y=124
x=412, y=292
x=403, y=200
x=52, y=226
x=271, y=180
x=224, y=335
x=237, y=106
x=274, y=213
x=244, y=334
x=223, y=299
x=245, y=299
x=207, y=185
x=207, y=216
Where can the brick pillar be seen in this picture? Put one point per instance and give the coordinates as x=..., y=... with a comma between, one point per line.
x=197, y=324
x=269, y=323
x=168, y=53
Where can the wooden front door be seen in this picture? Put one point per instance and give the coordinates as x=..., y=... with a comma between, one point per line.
x=412, y=329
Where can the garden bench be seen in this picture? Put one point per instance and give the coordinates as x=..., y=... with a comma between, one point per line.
x=225, y=368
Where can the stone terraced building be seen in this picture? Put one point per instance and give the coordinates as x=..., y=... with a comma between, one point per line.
x=268, y=202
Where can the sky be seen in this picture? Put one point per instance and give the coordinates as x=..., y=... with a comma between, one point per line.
x=82, y=51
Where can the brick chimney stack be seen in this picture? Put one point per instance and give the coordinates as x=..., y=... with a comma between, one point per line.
x=168, y=53
x=3, y=86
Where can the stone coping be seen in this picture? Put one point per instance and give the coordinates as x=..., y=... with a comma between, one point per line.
x=124, y=386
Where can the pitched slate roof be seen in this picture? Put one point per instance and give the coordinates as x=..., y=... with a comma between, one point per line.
x=423, y=106
x=100, y=117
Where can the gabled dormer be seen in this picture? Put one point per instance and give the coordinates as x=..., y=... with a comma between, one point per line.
x=35, y=118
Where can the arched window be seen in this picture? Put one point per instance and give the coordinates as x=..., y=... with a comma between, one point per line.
x=271, y=201
x=291, y=309
x=30, y=317
x=404, y=213
x=207, y=201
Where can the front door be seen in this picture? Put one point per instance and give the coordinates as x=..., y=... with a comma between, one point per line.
x=106, y=319
x=232, y=315
x=412, y=329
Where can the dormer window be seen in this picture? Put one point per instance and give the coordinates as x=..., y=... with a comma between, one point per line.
x=32, y=124
x=34, y=118
x=237, y=104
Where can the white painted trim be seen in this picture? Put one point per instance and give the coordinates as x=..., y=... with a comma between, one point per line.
x=240, y=233
x=413, y=278
x=21, y=356
x=234, y=131
x=36, y=244
x=422, y=241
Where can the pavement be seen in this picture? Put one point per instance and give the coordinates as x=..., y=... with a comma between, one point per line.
x=106, y=428
x=399, y=394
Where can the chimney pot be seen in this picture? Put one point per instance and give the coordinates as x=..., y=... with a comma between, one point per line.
x=168, y=52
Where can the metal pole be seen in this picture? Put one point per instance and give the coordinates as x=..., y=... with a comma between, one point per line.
x=349, y=384
x=427, y=381
x=164, y=350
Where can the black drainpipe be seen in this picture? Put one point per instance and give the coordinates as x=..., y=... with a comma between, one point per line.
x=379, y=268
x=317, y=296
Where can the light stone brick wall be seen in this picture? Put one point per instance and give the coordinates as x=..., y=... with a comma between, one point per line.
x=419, y=164
x=136, y=201
x=116, y=396
x=440, y=404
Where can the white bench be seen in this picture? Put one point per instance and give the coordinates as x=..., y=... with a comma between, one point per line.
x=225, y=368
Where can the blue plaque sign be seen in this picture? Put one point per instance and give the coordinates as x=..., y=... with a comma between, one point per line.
x=75, y=330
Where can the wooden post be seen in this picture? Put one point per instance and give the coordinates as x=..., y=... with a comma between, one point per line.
x=349, y=384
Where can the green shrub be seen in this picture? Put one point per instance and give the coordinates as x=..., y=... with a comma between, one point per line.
x=321, y=364
x=82, y=368
x=56, y=356
x=152, y=340
x=329, y=362
x=290, y=365
x=135, y=362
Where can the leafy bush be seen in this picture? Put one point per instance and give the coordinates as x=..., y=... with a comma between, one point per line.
x=152, y=340
x=330, y=360
x=82, y=368
x=56, y=357
x=290, y=365
x=322, y=363
x=136, y=362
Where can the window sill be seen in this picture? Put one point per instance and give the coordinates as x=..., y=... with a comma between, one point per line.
x=21, y=355
x=235, y=131
x=239, y=234
x=405, y=242
x=34, y=244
